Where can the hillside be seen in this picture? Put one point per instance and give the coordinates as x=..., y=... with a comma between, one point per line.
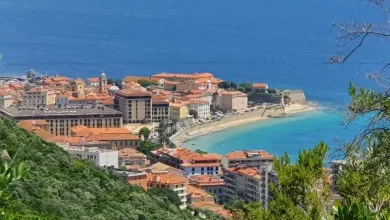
x=58, y=186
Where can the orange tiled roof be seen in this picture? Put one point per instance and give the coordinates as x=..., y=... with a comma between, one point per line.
x=166, y=178
x=16, y=85
x=196, y=192
x=206, y=180
x=178, y=104
x=183, y=75
x=93, y=80
x=133, y=92
x=246, y=170
x=130, y=153
x=260, y=85
x=213, y=207
x=244, y=154
x=233, y=93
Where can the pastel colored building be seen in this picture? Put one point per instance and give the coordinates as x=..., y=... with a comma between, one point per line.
x=134, y=178
x=230, y=101
x=6, y=99
x=160, y=109
x=178, y=110
x=100, y=157
x=246, y=182
x=211, y=183
x=131, y=157
x=256, y=158
x=202, y=107
x=39, y=96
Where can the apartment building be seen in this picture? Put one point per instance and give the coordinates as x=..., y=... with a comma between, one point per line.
x=93, y=82
x=61, y=120
x=135, y=105
x=246, y=182
x=160, y=109
x=169, y=181
x=178, y=110
x=256, y=158
x=134, y=178
x=202, y=107
x=190, y=162
x=119, y=137
x=230, y=100
x=6, y=99
x=39, y=96
x=210, y=183
x=131, y=157
x=100, y=157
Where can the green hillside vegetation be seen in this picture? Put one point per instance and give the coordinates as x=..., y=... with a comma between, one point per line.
x=57, y=186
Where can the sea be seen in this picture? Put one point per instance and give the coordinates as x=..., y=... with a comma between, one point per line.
x=282, y=43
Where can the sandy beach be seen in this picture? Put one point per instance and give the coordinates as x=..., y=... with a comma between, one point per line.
x=233, y=121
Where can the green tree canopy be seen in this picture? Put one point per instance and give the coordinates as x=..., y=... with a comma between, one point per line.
x=167, y=194
x=145, y=82
x=199, y=151
x=145, y=132
x=193, y=113
x=146, y=146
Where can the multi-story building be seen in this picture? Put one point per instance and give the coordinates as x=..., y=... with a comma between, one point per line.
x=6, y=99
x=246, y=182
x=178, y=110
x=134, y=178
x=61, y=120
x=119, y=137
x=160, y=109
x=135, y=105
x=131, y=157
x=180, y=77
x=256, y=158
x=210, y=183
x=190, y=162
x=202, y=107
x=100, y=157
x=78, y=87
x=93, y=82
x=174, y=182
x=39, y=96
x=230, y=101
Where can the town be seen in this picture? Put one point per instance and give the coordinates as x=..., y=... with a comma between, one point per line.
x=133, y=127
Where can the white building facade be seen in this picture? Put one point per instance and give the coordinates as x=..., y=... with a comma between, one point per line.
x=100, y=157
x=202, y=107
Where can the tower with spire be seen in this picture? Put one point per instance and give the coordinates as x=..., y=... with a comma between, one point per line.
x=103, y=83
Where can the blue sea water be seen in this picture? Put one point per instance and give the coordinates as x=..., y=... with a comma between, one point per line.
x=282, y=43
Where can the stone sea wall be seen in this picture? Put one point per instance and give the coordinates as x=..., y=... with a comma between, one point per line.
x=295, y=96
x=200, y=129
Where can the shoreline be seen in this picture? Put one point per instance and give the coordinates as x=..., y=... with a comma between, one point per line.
x=238, y=120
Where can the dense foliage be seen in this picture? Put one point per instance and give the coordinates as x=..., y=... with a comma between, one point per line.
x=60, y=187
x=145, y=132
x=145, y=83
x=199, y=151
x=193, y=113
x=166, y=194
x=116, y=82
x=146, y=146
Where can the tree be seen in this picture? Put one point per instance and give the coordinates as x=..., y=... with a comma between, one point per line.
x=116, y=82
x=224, y=85
x=167, y=194
x=193, y=113
x=357, y=210
x=199, y=151
x=246, y=87
x=145, y=132
x=145, y=82
x=146, y=146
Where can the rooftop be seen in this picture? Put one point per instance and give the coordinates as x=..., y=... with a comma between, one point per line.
x=196, y=192
x=260, y=86
x=59, y=111
x=131, y=153
x=249, y=154
x=246, y=170
x=206, y=180
x=166, y=178
x=132, y=93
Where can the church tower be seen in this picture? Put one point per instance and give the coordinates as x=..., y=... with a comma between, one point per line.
x=103, y=83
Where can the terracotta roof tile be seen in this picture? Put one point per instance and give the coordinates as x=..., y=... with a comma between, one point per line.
x=248, y=154
x=133, y=92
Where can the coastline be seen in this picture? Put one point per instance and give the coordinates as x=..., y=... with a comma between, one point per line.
x=237, y=120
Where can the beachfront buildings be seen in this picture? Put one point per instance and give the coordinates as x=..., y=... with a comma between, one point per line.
x=202, y=107
x=160, y=109
x=230, y=100
x=190, y=162
x=135, y=105
x=167, y=180
x=6, y=99
x=210, y=183
x=246, y=182
x=100, y=157
x=256, y=158
x=39, y=96
x=61, y=120
x=178, y=110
